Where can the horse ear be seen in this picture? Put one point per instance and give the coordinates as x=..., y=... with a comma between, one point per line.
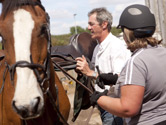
x=39, y=1
x=1, y=1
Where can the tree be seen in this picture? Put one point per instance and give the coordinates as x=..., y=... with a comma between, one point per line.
x=79, y=30
x=114, y=30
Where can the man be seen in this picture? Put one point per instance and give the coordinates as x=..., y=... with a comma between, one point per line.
x=109, y=55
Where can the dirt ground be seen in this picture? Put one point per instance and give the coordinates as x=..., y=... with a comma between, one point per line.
x=69, y=86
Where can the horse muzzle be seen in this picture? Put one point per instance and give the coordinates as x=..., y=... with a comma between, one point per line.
x=28, y=111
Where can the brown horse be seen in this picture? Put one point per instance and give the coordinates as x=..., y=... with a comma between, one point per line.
x=80, y=44
x=30, y=91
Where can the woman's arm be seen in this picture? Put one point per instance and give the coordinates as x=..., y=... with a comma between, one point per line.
x=127, y=105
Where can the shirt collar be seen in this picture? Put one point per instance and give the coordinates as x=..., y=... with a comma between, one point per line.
x=105, y=42
x=148, y=46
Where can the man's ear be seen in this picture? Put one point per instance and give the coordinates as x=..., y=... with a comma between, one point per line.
x=104, y=24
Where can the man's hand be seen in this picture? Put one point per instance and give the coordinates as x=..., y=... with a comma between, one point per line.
x=96, y=95
x=83, y=66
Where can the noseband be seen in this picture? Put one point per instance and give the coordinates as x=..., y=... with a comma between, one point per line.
x=35, y=67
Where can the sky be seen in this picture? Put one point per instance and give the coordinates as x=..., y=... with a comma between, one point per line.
x=62, y=12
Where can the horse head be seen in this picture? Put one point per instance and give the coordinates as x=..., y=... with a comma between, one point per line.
x=24, y=27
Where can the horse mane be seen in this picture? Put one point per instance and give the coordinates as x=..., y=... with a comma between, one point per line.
x=9, y=5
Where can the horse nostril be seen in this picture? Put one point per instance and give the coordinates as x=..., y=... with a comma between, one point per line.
x=24, y=112
x=27, y=110
x=14, y=106
x=20, y=110
x=35, y=104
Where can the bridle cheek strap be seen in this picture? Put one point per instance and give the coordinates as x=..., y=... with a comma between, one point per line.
x=45, y=70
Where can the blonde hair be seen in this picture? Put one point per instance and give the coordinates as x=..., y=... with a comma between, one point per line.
x=134, y=43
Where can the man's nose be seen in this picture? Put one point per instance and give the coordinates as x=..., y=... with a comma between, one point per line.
x=89, y=27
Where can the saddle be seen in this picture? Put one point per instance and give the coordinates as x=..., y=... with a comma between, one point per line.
x=68, y=50
x=65, y=55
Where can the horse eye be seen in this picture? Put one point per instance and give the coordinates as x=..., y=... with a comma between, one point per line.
x=1, y=42
x=0, y=38
x=43, y=30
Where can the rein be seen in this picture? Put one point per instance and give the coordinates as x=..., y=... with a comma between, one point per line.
x=67, y=74
x=90, y=91
x=72, y=62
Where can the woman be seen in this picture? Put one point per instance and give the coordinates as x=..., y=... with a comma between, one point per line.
x=142, y=81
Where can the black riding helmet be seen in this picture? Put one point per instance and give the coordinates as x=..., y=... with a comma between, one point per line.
x=139, y=19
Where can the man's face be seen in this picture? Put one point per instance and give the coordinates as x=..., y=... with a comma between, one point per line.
x=94, y=27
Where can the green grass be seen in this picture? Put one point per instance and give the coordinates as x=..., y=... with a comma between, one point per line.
x=58, y=40
x=115, y=31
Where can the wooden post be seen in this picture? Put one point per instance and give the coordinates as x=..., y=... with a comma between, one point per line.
x=162, y=19
x=158, y=7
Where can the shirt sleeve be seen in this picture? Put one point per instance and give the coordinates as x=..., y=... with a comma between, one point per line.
x=133, y=73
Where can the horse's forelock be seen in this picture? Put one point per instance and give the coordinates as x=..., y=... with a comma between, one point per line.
x=9, y=5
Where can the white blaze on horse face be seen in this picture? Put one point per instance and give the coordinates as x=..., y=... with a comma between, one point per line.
x=27, y=87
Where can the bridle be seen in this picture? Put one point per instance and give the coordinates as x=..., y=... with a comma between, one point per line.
x=45, y=68
x=24, y=64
